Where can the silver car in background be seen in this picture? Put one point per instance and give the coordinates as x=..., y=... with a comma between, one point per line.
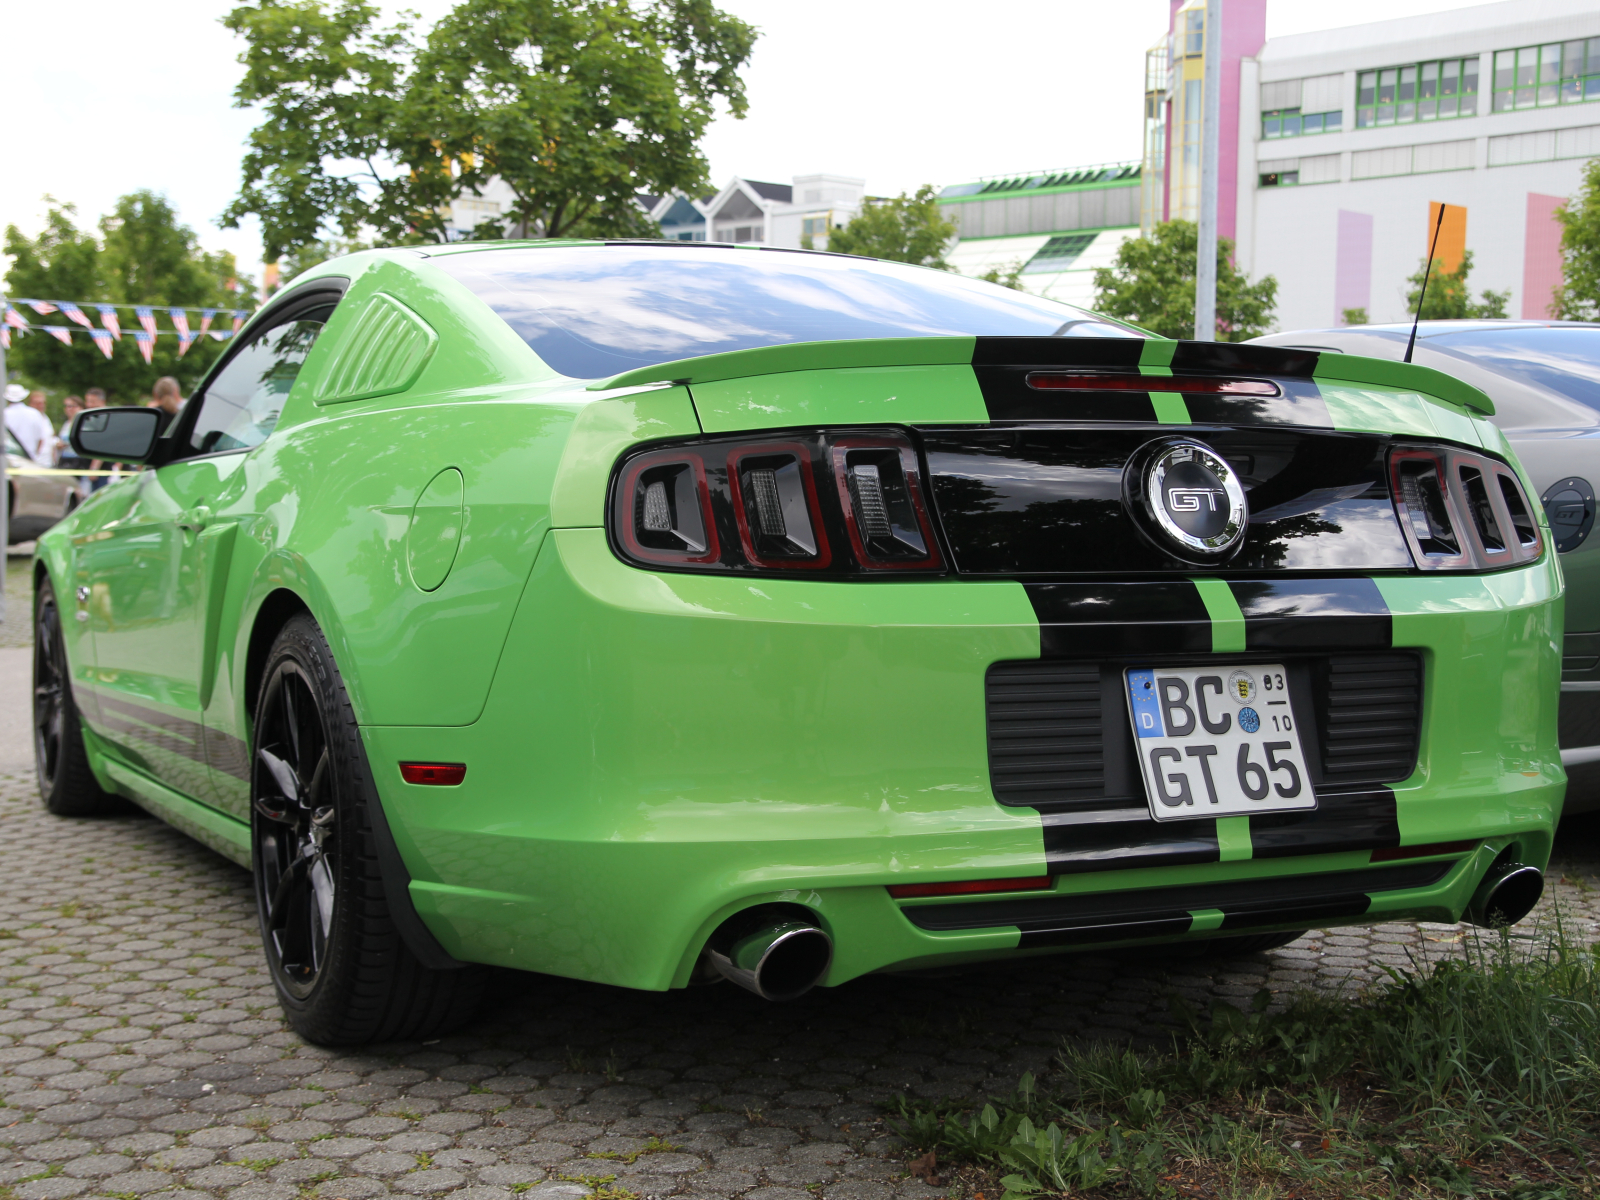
x=1544, y=379
x=36, y=502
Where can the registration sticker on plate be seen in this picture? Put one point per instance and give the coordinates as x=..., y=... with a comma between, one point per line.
x=1218, y=741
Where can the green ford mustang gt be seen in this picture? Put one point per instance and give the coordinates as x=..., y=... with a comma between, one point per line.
x=653, y=613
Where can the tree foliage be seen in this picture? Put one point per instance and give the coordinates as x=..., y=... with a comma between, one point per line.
x=1448, y=296
x=577, y=105
x=1578, y=297
x=907, y=229
x=142, y=255
x=1152, y=284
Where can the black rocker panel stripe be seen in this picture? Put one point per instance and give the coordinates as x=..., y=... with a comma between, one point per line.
x=1094, y=620
x=1322, y=614
x=1244, y=903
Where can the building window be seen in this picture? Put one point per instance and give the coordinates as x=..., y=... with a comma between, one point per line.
x=1194, y=31
x=1291, y=122
x=1427, y=91
x=1280, y=178
x=815, y=227
x=1555, y=73
x=1059, y=253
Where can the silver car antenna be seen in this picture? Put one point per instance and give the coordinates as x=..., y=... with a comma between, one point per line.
x=1426, y=272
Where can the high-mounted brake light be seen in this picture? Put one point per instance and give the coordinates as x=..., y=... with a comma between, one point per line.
x=1209, y=385
x=969, y=887
x=439, y=774
x=1461, y=511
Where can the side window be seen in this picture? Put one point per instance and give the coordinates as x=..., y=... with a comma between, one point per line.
x=240, y=408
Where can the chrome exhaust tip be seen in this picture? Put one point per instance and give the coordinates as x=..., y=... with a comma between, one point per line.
x=781, y=961
x=1507, y=894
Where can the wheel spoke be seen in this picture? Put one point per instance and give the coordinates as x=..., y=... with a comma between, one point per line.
x=282, y=774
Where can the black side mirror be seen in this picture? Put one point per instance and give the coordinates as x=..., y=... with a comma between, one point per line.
x=126, y=435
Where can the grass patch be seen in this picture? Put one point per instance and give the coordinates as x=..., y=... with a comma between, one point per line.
x=1478, y=1077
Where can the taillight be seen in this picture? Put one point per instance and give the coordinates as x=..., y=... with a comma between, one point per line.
x=845, y=503
x=1461, y=511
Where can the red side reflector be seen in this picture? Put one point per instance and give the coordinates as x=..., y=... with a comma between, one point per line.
x=1047, y=381
x=1424, y=851
x=441, y=774
x=966, y=887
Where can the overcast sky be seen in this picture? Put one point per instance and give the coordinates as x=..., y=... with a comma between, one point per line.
x=124, y=96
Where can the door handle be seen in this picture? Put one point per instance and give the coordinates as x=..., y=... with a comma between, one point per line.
x=193, y=520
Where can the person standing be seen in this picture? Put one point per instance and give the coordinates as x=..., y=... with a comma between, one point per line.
x=167, y=397
x=69, y=459
x=96, y=398
x=27, y=422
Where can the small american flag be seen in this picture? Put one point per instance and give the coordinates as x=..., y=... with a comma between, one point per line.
x=147, y=344
x=102, y=338
x=61, y=333
x=147, y=318
x=206, y=316
x=43, y=307
x=73, y=313
x=180, y=322
x=108, y=318
x=15, y=319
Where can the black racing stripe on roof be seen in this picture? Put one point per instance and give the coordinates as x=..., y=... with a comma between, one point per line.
x=1093, y=620
x=1300, y=404
x=1302, y=614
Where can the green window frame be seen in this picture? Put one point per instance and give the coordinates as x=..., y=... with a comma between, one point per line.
x=1438, y=90
x=1547, y=74
x=1291, y=122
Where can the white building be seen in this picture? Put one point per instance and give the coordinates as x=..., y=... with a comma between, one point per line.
x=1349, y=140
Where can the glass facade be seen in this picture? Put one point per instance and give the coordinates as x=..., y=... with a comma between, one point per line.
x=1291, y=122
x=1428, y=91
x=1554, y=73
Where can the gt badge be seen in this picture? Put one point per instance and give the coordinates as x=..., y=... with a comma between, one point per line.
x=1189, y=498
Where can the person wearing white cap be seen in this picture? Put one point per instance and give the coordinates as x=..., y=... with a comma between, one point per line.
x=30, y=427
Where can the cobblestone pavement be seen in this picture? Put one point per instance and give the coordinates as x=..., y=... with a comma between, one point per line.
x=141, y=1050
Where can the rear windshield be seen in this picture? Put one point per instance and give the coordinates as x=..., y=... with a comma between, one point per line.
x=595, y=311
x=1564, y=360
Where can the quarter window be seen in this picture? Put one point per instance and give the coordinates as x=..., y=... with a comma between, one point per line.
x=1554, y=73
x=1428, y=91
x=241, y=406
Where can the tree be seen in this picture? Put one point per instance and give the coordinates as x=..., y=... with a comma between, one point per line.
x=1354, y=316
x=1152, y=284
x=1009, y=275
x=142, y=256
x=907, y=229
x=1578, y=296
x=576, y=105
x=1448, y=296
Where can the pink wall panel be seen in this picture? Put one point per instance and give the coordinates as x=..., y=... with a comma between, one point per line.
x=1352, y=270
x=1541, y=256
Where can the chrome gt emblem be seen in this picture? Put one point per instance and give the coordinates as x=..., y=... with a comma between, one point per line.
x=1188, y=497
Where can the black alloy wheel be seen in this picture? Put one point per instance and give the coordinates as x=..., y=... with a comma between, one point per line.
x=343, y=973
x=66, y=782
x=297, y=840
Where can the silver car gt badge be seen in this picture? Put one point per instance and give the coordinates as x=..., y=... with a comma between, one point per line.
x=1191, y=496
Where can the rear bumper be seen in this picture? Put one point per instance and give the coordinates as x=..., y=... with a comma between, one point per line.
x=660, y=751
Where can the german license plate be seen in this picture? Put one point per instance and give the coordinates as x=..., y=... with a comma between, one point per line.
x=1218, y=741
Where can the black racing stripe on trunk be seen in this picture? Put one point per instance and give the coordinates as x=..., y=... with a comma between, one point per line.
x=1342, y=821
x=1246, y=901
x=1298, y=614
x=1120, y=353
x=1300, y=404
x=1076, y=847
x=1092, y=620
x=1008, y=397
x=1235, y=356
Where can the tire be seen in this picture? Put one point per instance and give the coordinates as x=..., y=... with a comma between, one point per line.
x=66, y=784
x=343, y=973
x=1251, y=943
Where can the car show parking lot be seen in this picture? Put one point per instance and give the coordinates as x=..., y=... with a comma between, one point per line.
x=142, y=1051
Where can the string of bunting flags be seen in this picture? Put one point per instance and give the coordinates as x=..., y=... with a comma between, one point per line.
x=15, y=325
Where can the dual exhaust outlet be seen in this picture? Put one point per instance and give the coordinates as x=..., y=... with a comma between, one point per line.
x=784, y=957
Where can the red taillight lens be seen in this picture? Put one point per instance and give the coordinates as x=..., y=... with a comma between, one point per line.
x=438, y=774
x=969, y=887
x=837, y=503
x=1208, y=385
x=880, y=491
x=1461, y=511
x=775, y=503
x=667, y=505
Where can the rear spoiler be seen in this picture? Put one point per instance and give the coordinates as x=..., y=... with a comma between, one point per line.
x=1155, y=357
